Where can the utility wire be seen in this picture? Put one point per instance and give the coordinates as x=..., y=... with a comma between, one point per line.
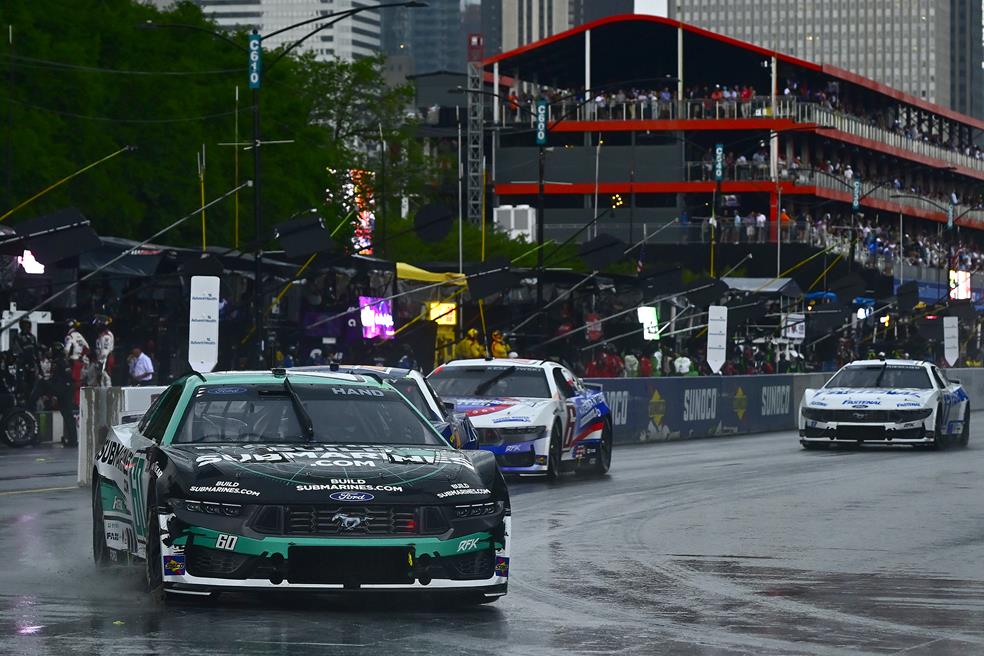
x=175, y=224
x=33, y=62
x=110, y=119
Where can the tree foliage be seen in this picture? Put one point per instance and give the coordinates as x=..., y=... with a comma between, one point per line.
x=86, y=77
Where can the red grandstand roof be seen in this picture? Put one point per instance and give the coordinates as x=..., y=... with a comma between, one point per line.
x=628, y=24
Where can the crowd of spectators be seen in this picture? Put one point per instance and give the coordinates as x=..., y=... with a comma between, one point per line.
x=730, y=99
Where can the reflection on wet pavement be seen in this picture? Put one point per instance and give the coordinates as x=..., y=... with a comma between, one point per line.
x=730, y=546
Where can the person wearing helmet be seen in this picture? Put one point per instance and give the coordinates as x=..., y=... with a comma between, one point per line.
x=77, y=356
x=76, y=346
x=105, y=361
x=500, y=348
x=470, y=346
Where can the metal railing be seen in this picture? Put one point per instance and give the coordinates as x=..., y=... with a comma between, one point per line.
x=813, y=113
x=652, y=108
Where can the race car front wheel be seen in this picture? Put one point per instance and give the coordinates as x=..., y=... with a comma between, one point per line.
x=604, y=461
x=553, y=453
x=100, y=552
x=154, y=575
x=939, y=440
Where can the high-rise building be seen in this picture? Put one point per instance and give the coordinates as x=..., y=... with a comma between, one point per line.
x=526, y=21
x=928, y=48
x=492, y=26
x=351, y=38
x=590, y=10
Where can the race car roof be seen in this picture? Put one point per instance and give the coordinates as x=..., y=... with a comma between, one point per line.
x=260, y=377
x=496, y=362
x=391, y=372
x=891, y=363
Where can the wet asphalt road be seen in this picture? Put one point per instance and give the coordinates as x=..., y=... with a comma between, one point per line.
x=724, y=546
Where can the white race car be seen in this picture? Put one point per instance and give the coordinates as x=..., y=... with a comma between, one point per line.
x=886, y=402
x=535, y=415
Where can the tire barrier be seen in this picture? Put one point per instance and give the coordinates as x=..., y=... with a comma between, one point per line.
x=689, y=407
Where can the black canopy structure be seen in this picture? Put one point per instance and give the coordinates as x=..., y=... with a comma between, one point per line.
x=51, y=237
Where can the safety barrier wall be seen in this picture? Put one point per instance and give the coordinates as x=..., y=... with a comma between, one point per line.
x=688, y=407
x=643, y=409
x=102, y=407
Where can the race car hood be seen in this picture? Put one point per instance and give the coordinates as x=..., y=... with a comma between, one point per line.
x=842, y=397
x=326, y=473
x=506, y=412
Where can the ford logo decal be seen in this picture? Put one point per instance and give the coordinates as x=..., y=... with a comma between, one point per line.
x=351, y=496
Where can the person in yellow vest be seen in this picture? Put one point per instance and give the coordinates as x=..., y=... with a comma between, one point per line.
x=500, y=348
x=470, y=346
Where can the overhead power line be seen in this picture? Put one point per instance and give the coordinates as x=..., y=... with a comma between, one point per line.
x=111, y=119
x=33, y=62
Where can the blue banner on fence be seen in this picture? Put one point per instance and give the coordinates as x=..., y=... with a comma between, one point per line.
x=645, y=409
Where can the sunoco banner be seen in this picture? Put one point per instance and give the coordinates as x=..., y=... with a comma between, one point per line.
x=647, y=409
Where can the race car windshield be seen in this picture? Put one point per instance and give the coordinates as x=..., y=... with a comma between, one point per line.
x=266, y=414
x=491, y=381
x=882, y=376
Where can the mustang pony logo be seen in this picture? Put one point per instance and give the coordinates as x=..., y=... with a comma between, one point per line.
x=349, y=522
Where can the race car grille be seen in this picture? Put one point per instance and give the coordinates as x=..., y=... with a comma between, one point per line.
x=471, y=566
x=851, y=415
x=350, y=565
x=521, y=459
x=213, y=563
x=338, y=520
x=343, y=521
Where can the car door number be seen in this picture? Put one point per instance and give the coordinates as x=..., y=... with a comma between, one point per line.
x=571, y=425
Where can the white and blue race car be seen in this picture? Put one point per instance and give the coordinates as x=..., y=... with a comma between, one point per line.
x=535, y=415
x=886, y=402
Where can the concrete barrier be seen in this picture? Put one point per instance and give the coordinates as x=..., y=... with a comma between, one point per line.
x=688, y=407
x=102, y=407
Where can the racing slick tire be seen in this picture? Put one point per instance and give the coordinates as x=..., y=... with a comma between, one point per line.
x=814, y=446
x=553, y=453
x=965, y=433
x=19, y=428
x=100, y=552
x=604, y=460
x=939, y=439
x=153, y=575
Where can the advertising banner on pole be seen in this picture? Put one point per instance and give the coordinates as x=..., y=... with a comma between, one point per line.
x=951, y=340
x=717, y=336
x=203, y=323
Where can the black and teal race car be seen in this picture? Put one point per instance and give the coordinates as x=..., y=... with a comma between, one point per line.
x=288, y=480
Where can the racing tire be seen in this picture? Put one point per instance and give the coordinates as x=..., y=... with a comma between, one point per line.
x=604, y=461
x=965, y=433
x=100, y=552
x=939, y=439
x=19, y=428
x=553, y=453
x=154, y=576
x=814, y=446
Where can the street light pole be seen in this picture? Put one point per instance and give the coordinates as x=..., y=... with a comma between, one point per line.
x=541, y=166
x=257, y=231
